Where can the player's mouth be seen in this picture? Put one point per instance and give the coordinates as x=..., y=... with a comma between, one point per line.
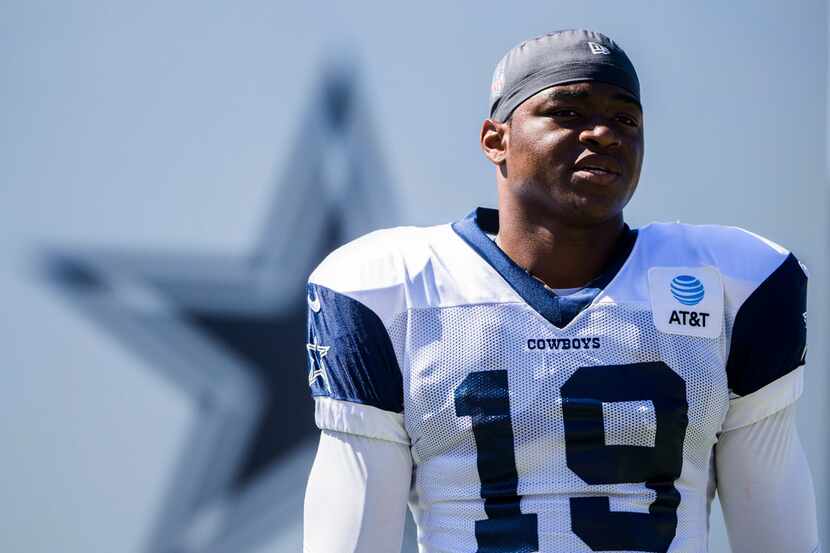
x=598, y=170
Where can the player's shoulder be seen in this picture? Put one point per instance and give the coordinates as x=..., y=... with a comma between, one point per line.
x=764, y=294
x=736, y=253
x=379, y=259
x=380, y=268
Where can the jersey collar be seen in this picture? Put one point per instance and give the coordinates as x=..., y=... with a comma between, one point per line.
x=558, y=310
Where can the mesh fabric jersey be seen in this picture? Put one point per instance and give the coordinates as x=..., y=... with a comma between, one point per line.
x=556, y=424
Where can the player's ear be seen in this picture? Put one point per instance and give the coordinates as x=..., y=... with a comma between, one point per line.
x=494, y=138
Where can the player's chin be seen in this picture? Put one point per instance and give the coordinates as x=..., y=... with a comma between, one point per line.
x=593, y=209
x=600, y=200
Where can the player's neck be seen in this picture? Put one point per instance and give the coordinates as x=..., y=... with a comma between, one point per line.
x=561, y=256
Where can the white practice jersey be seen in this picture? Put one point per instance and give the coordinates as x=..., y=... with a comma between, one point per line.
x=557, y=424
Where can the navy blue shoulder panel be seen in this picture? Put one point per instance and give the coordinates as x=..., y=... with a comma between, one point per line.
x=769, y=336
x=350, y=355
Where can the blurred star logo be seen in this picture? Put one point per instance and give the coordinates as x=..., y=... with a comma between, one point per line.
x=229, y=332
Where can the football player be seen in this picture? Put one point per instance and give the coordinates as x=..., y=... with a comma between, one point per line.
x=546, y=378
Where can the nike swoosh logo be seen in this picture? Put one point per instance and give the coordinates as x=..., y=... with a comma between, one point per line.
x=314, y=304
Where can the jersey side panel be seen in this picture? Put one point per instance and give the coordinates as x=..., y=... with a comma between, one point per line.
x=769, y=335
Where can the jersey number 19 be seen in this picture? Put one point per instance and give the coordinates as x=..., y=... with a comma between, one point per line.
x=484, y=397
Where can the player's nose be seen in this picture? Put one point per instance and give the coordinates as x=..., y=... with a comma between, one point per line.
x=599, y=136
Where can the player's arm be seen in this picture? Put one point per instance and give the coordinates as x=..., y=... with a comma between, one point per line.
x=763, y=479
x=358, y=487
x=357, y=495
x=765, y=487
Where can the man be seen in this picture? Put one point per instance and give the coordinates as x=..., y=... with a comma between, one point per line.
x=543, y=377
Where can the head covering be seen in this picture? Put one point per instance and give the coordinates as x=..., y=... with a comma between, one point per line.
x=558, y=58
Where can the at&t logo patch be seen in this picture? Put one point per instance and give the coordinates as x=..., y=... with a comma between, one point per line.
x=687, y=300
x=687, y=289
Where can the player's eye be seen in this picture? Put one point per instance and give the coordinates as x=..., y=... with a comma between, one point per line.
x=626, y=120
x=564, y=113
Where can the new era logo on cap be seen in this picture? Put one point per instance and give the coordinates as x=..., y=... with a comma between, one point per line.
x=597, y=48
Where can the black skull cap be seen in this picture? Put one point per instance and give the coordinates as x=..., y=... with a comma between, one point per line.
x=570, y=56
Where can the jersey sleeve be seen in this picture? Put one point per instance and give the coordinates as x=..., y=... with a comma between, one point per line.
x=768, y=346
x=353, y=370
